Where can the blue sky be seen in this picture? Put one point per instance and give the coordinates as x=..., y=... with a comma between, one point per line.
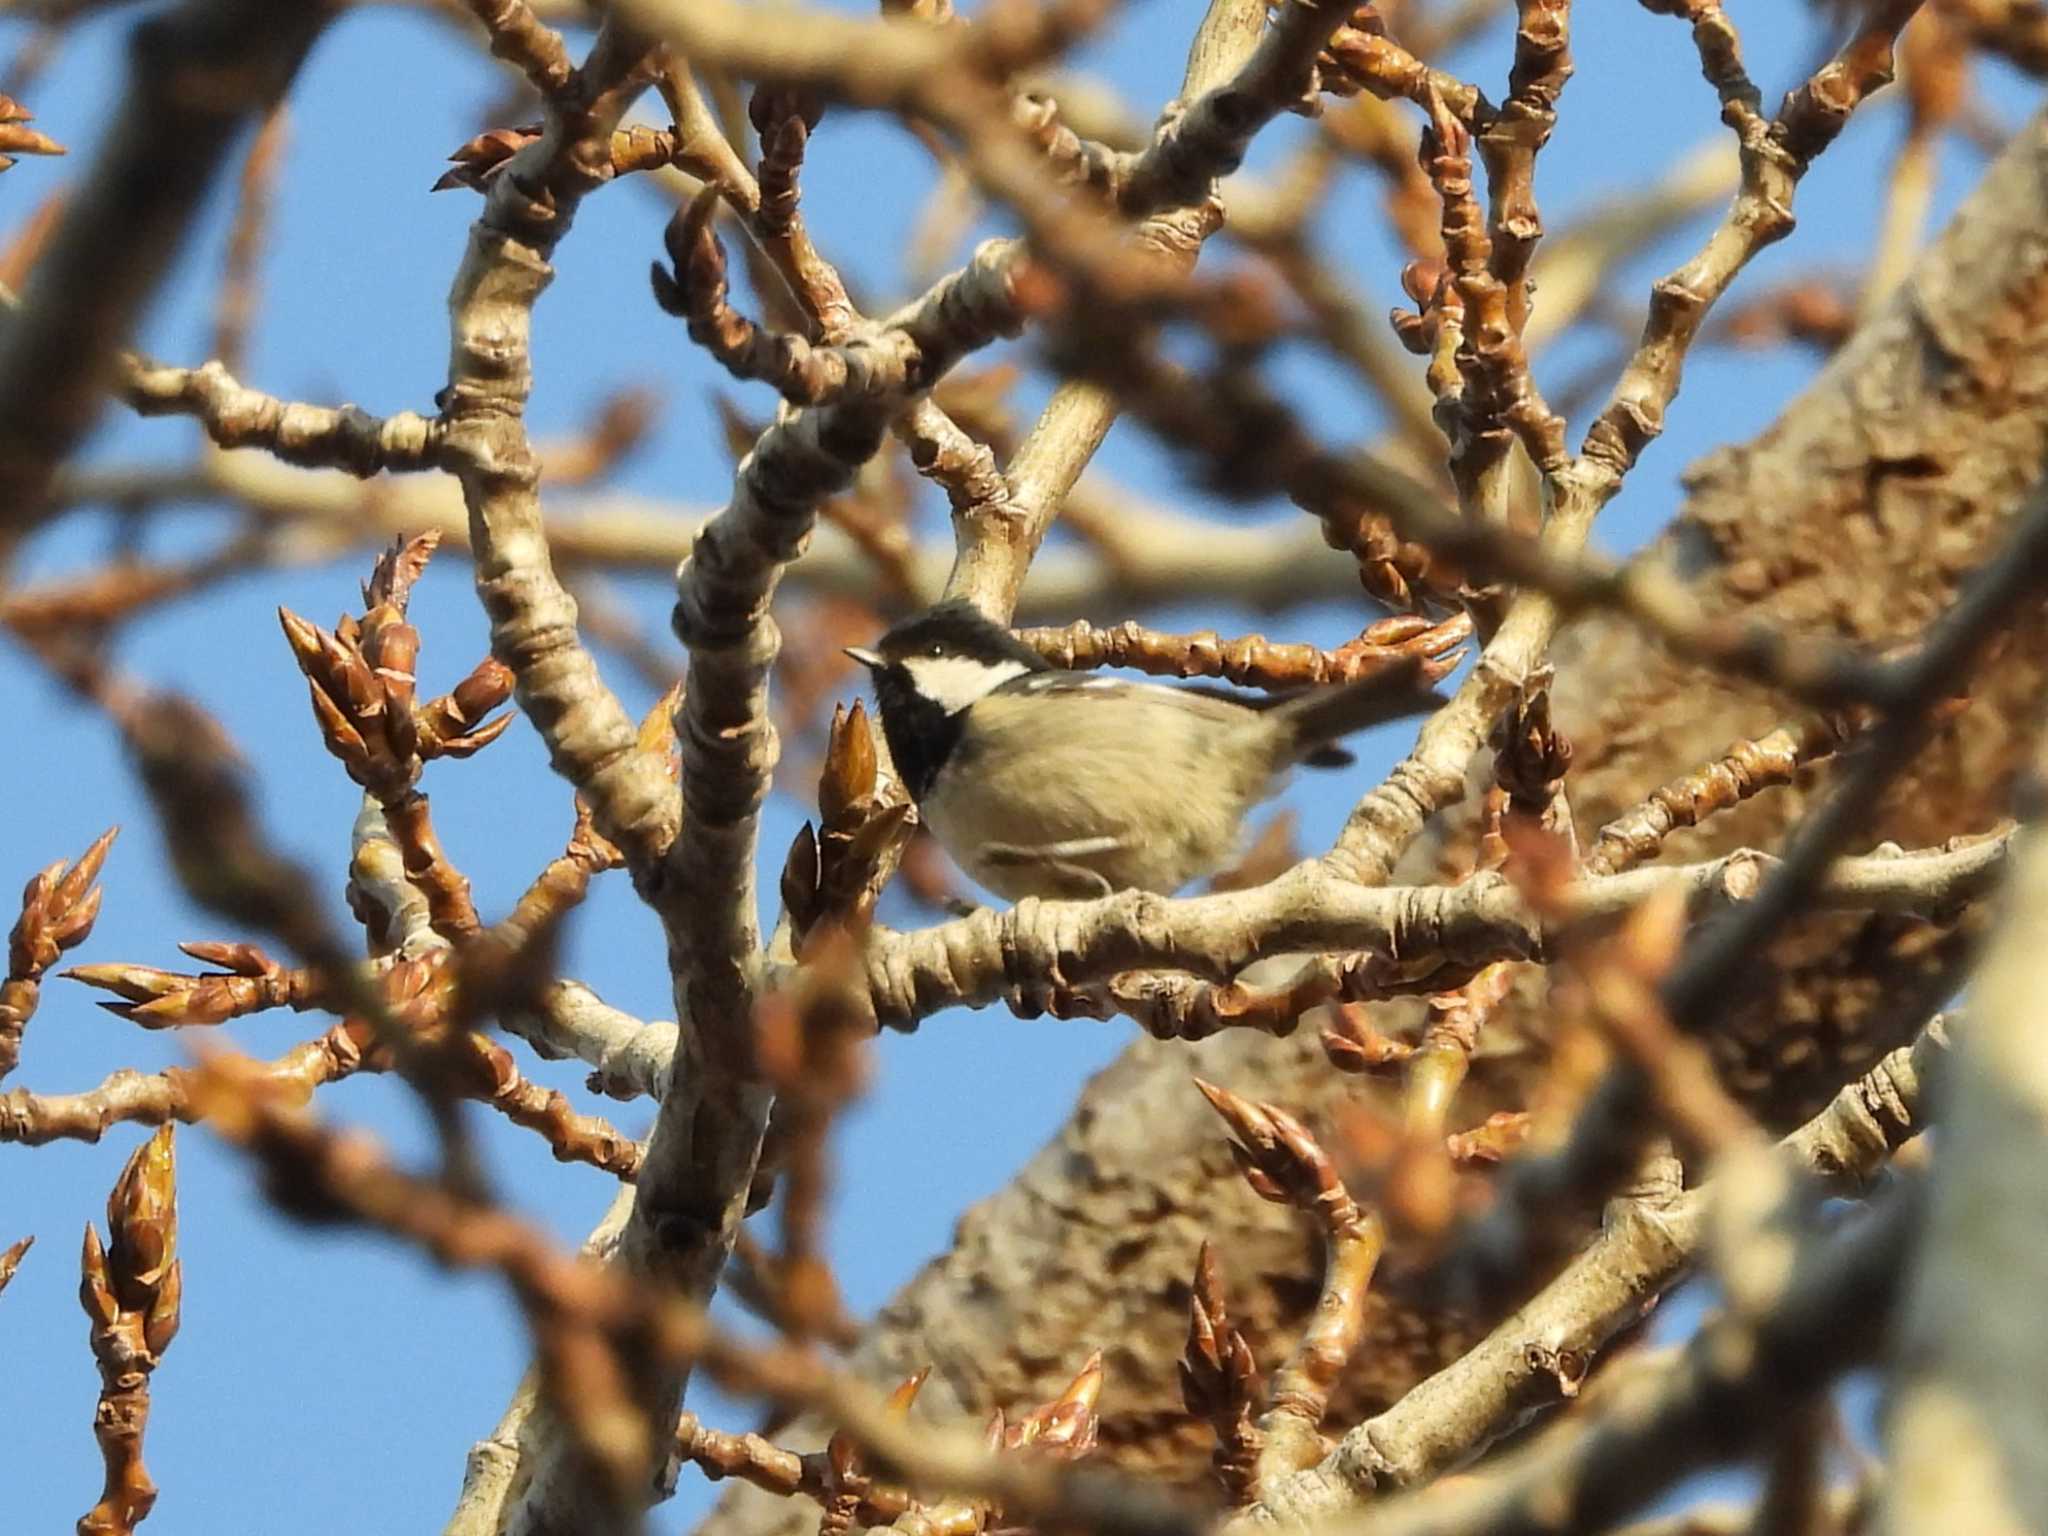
x=341, y=1376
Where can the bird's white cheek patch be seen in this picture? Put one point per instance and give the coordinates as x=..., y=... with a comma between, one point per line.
x=954, y=682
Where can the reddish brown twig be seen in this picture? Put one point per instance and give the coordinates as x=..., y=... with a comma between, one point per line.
x=1492, y=1141
x=489, y=1074
x=415, y=994
x=1361, y=57
x=1491, y=399
x=1526, y=826
x=561, y=886
x=1353, y=1045
x=1510, y=142
x=695, y=292
x=1063, y=1429
x=814, y=1475
x=1219, y=1382
x=1173, y=1005
x=1283, y=1163
x=580, y=1313
x=1253, y=660
x=1420, y=1191
x=784, y=119
x=962, y=312
x=1815, y=114
x=1746, y=769
x=131, y=1290
x=57, y=912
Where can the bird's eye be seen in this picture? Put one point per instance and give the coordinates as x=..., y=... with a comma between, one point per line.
x=935, y=649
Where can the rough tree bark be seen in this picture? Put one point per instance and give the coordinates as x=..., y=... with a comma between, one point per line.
x=1854, y=515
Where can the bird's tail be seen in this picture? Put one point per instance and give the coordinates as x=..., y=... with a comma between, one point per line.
x=1322, y=716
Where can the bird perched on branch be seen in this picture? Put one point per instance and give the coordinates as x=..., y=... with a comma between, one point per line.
x=1056, y=784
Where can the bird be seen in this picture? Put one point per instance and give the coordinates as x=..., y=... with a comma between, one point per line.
x=1061, y=785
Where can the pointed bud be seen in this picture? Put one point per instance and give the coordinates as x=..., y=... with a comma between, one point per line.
x=160, y=1322
x=10, y=1261
x=142, y=1215
x=95, y=1293
x=906, y=1392
x=237, y=959
x=800, y=878
x=472, y=742
x=136, y=983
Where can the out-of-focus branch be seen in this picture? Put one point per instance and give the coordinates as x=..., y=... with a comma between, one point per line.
x=1966, y=1432
x=1713, y=1402
x=57, y=913
x=235, y=306
x=2015, y=30
x=1153, y=553
x=1705, y=983
x=131, y=1291
x=586, y=1316
x=1541, y=1354
x=197, y=76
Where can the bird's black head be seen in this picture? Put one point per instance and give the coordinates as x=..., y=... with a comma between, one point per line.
x=955, y=629
x=927, y=671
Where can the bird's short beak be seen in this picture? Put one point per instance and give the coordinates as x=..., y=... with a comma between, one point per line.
x=865, y=657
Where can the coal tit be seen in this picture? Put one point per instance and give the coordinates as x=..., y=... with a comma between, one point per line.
x=1058, y=784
